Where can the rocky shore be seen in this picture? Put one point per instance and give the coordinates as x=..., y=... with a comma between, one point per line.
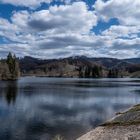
x=124, y=126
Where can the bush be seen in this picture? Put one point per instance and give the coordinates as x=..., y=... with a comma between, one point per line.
x=58, y=137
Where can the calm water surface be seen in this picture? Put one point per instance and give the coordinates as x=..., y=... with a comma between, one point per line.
x=40, y=108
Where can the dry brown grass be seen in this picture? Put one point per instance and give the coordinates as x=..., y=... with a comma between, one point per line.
x=58, y=137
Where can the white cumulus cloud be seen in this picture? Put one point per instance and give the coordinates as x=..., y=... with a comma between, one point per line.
x=126, y=11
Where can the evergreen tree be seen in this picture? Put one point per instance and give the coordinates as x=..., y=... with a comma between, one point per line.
x=80, y=72
x=87, y=72
x=11, y=61
x=110, y=73
x=96, y=71
x=113, y=73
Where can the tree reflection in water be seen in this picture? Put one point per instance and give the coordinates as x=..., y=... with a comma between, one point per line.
x=11, y=92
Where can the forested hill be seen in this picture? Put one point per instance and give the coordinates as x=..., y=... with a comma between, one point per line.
x=80, y=66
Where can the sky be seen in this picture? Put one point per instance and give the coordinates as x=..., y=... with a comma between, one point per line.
x=62, y=28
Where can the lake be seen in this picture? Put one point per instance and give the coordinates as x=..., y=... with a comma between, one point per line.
x=37, y=108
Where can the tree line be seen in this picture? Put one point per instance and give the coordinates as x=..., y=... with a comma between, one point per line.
x=90, y=72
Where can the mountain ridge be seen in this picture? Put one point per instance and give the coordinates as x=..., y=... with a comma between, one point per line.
x=79, y=66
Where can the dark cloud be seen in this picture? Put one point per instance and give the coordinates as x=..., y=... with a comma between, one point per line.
x=41, y=25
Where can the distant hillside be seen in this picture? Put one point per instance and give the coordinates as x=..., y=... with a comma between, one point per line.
x=79, y=66
x=67, y=67
x=133, y=60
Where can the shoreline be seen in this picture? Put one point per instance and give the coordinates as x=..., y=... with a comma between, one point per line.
x=124, y=126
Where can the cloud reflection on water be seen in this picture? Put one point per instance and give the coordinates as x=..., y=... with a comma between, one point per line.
x=42, y=108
